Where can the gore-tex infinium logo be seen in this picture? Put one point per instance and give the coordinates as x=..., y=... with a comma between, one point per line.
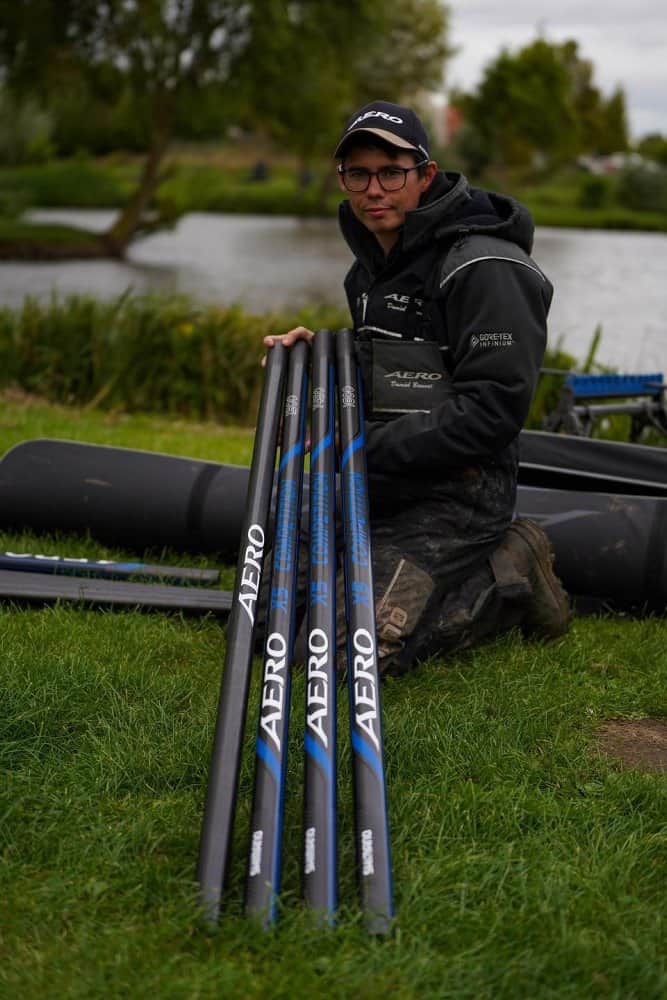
x=491, y=340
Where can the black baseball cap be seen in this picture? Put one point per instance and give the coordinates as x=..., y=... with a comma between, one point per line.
x=397, y=125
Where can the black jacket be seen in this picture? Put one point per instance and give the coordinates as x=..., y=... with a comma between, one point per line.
x=460, y=277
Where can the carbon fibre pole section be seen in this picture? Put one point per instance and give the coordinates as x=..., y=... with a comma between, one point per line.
x=106, y=569
x=370, y=797
x=264, y=859
x=220, y=806
x=319, y=802
x=45, y=589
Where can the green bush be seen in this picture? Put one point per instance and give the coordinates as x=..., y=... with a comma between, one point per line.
x=143, y=354
x=155, y=354
x=203, y=188
x=12, y=203
x=25, y=131
x=642, y=189
x=594, y=191
x=76, y=183
x=82, y=121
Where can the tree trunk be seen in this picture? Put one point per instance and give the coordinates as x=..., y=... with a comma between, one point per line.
x=131, y=218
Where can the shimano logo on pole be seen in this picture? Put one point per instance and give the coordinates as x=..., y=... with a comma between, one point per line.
x=309, y=855
x=256, y=853
x=367, y=853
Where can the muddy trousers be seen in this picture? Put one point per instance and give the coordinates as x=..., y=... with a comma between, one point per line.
x=440, y=582
x=415, y=621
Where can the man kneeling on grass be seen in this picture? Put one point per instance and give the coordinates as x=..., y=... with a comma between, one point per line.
x=450, y=315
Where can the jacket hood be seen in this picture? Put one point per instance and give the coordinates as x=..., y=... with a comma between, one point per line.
x=450, y=208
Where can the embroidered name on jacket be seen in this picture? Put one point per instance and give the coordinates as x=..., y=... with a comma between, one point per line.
x=413, y=380
x=406, y=377
x=400, y=303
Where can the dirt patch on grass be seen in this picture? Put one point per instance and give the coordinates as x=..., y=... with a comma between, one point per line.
x=638, y=743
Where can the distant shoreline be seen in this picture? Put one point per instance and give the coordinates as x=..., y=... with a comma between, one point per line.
x=203, y=185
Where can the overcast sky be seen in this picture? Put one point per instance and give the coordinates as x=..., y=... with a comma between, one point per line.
x=625, y=39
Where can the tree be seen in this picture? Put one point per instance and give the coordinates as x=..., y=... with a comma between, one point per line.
x=541, y=103
x=523, y=106
x=297, y=68
x=291, y=83
x=405, y=52
x=310, y=71
x=654, y=147
x=160, y=51
x=586, y=98
x=613, y=135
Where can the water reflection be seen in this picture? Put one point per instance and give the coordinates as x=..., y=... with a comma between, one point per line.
x=268, y=263
x=614, y=279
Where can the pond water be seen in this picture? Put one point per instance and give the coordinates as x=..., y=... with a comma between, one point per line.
x=618, y=280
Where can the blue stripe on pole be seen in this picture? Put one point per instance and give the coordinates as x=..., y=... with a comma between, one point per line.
x=289, y=455
x=324, y=443
x=353, y=446
x=268, y=756
x=318, y=754
x=360, y=746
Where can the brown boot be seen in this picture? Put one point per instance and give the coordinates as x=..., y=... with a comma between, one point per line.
x=525, y=556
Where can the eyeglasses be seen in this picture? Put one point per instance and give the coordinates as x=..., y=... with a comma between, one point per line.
x=358, y=179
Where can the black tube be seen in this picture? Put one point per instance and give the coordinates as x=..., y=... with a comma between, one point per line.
x=62, y=485
x=266, y=824
x=105, y=569
x=319, y=799
x=220, y=807
x=370, y=796
x=607, y=546
x=123, y=496
x=40, y=588
x=567, y=462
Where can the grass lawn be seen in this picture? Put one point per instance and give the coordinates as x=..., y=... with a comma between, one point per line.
x=527, y=864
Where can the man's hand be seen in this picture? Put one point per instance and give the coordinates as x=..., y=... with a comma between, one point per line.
x=289, y=338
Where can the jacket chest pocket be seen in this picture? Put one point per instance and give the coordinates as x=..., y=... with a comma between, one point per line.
x=406, y=377
x=392, y=314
